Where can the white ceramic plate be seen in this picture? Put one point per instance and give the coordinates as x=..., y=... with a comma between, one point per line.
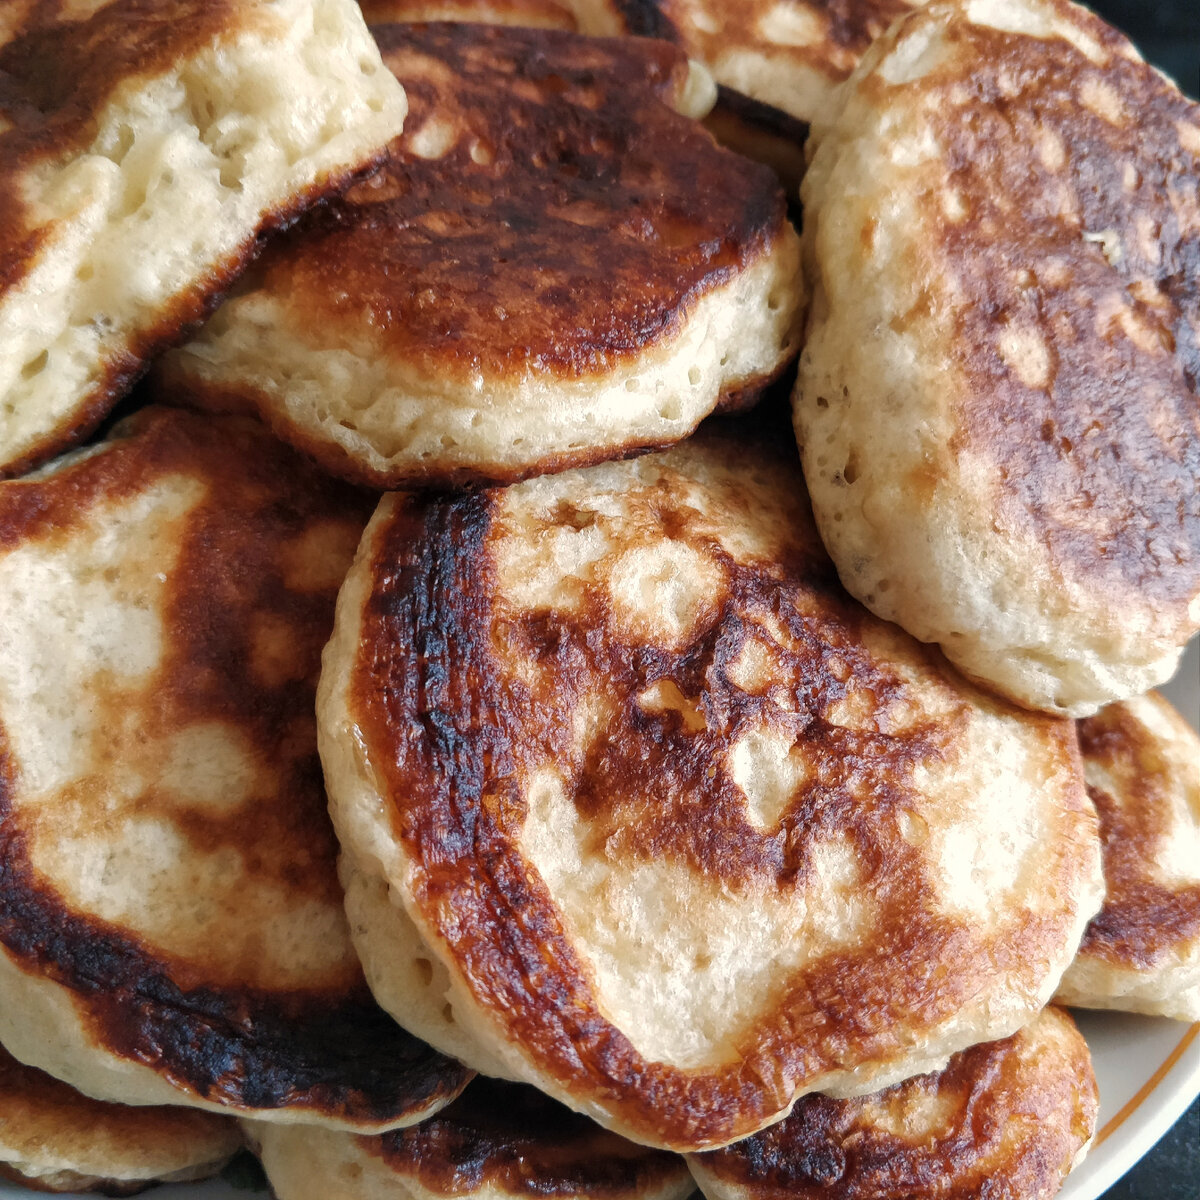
x=1148, y=1069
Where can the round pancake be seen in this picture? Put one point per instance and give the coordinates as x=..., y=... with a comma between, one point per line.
x=171, y=924
x=1141, y=952
x=144, y=144
x=557, y=267
x=497, y=1140
x=998, y=402
x=789, y=54
x=638, y=806
x=54, y=1139
x=1006, y=1119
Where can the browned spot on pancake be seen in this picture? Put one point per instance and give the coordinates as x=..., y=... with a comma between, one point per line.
x=56, y=74
x=513, y=1138
x=1142, y=921
x=544, y=208
x=1002, y=1119
x=835, y=32
x=328, y=1046
x=456, y=744
x=1077, y=263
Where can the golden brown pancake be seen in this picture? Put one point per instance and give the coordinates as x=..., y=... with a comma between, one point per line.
x=1006, y=1119
x=998, y=403
x=558, y=267
x=637, y=805
x=1141, y=952
x=54, y=1139
x=789, y=54
x=497, y=1140
x=144, y=144
x=171, y=925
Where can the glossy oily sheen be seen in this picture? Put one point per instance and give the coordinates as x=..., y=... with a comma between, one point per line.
x=557, y=266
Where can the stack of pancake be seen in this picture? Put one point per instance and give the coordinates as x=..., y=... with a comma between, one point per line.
x=454, y=738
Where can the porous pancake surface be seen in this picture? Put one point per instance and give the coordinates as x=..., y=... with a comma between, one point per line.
x=673, y=828
x=56, y=1139
x=998, y=402
x=143, y=146
x=497, y=1140
x=790, y=54
x=1141, y=952
x=1007, y=1119
x=171, y=923
x=557, y=267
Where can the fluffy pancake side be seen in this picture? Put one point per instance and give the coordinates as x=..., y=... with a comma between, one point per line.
x=144, y=146
x=558, y=267
x=998, y=400
x=52, y=1138
x=497, y=1140
x=670, y=826
x=1008, y=1118
x=1141, y=952
x=171, y=924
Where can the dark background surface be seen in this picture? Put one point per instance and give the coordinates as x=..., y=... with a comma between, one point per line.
x=1167, y=32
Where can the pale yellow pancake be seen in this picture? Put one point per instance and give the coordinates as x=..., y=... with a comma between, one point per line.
x=143, y=148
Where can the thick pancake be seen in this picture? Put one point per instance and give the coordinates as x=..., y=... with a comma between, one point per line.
x=789, y=54
x=144, y=144
x=558, y=267
x=1008, y=1119
x=998, y=400
x=672, y=827
x=171, y=923
x=760, y=131
x=497, y=1140
x=1141, y=952
x=54, y=1139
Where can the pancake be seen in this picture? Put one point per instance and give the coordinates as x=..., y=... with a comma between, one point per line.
x=144, y=144
x=1007, y=1119
x=789, y=54
x=497, y=1140
x=757, y=130
x=171, y=924
x=530, y=14
x=1141, y=952
x=998, y=403
x=55, y=1140
x=636, y=805
x=557, y=268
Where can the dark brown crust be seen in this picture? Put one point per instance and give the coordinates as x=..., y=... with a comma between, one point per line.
x=1142, y=922
x=328, y=1048
x=452, y=744
x=609, y=213
x=1018, y=1111
x=759, y=131
x=1097, y=457
x=513, y=1138
x=54, y=78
